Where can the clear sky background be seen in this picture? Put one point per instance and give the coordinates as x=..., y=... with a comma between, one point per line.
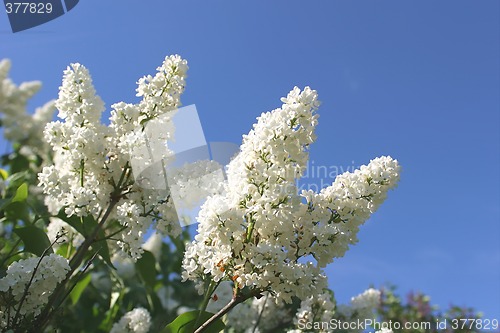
x=417, y=80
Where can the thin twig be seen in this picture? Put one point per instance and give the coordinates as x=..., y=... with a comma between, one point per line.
x=78, y=278
x=28, y=285
x=260, y=314
x=210, y=290
x=75, y=262
x=10, y=254
x=237, y=299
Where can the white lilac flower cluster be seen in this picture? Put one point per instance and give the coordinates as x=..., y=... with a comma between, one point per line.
x=320, y=307
x=221, y=296
x=265, y=315
x=258, y=315
x=261, y=233
x=50, y=270
x=77, y=181
x=361, y=306
x=136, y=321
x=335, y=214
x=384, y=330
x=92, y=162
x=194, y=182
x=60, y=232
x=20, y=126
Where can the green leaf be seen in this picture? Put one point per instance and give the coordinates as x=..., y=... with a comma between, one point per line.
x=16, y=211
x=21, y=193
x=19, y=163
x=102, y=249
x=114, y=306
x=62, y=250
x=89, y=225
x=16, y=179
x=85, y=229
x=34, y=239
x=79, y=288
x=4, y=174
x=146, y=266
x=73, y=221
x=101, y=246
x=20, y=196
x=4, y=203
x=186, y=321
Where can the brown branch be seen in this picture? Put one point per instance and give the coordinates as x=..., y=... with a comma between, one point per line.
x=237, y=299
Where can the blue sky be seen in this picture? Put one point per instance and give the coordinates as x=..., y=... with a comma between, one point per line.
x=417, y=80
